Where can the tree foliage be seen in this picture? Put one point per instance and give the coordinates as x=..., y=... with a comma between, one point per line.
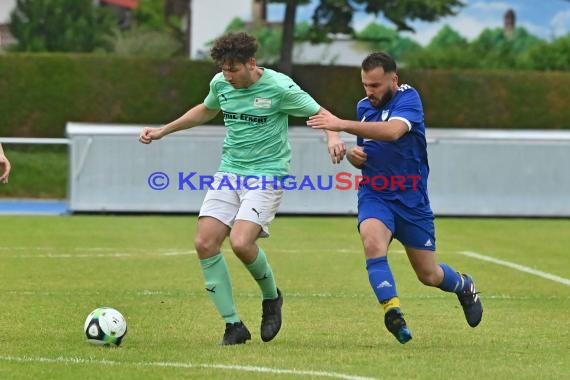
x=447, y=37
x=382, y=38
x=492, y=49
x=497, y=51
x=335, y=16
x=144, y=43
x=80, y=26
x=553, y=56
x=150, y=15
x=154, y=15
x=153, y=32
x=59, y=25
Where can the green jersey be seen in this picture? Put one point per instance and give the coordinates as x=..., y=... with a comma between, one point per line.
x=256, y=120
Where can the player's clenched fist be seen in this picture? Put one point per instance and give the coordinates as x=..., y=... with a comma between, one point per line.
x=148, y=134
x=356, y=156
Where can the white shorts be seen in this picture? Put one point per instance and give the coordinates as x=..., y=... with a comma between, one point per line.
x=231, y=200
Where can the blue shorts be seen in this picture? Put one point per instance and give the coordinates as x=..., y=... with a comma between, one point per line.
x=413, y=227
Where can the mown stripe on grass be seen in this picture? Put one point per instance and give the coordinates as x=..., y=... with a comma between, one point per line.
x=225, y=367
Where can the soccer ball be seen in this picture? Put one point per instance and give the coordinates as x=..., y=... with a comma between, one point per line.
x=105, y=326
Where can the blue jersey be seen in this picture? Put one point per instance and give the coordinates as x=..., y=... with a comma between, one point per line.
x=400, y=167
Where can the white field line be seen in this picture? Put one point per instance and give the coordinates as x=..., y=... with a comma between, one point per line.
x=522, y=268
x=71, y=255
x=87, y=253
x=51, y=253
x=226, y=367
x=100, y=252
x=95, y=249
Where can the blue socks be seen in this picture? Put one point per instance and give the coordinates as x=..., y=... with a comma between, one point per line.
x=381, y=279
x=452, y=280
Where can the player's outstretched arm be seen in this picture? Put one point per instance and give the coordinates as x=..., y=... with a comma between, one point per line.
x=198, y=115
x=390, y=130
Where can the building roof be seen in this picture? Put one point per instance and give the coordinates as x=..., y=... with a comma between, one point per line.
x=130, y=4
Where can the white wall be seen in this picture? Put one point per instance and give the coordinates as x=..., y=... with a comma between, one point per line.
x=340, y=52
x=473, y=172
x=6, y=7
x=210, y=19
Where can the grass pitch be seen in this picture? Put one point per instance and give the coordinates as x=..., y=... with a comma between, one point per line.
x=55, y=270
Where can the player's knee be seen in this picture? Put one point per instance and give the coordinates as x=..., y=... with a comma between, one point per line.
x=240, y=244
x=373, y=248
x=205, y=246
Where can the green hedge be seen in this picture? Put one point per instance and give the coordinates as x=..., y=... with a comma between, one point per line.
x=499, y=99
x=41, y=92
x=458, y=99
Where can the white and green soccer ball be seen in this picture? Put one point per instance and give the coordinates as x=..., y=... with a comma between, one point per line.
x=105, y=326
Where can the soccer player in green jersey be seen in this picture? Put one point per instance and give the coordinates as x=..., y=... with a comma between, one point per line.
x=256, y=103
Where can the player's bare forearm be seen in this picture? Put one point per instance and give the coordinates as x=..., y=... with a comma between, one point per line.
x=332, y=136
x=376, y=130
x=199, y=114
x=196, y=116
x=336, y=146
x=4, y=167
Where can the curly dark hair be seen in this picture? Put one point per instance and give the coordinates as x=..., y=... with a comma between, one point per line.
x=380, y=59
x=234, y=47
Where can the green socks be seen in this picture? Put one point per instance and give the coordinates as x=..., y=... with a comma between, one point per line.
x=219, y=286
x=262, y=273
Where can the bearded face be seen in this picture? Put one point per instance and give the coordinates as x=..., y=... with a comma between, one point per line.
x=380, y=86
x=380, y=103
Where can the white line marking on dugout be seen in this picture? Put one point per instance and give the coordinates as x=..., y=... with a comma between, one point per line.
x=244, y=368
x=522, y=268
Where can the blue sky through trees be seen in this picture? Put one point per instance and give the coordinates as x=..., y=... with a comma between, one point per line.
x=547, y=19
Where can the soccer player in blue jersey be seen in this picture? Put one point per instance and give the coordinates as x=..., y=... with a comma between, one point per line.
x=5, y=164
x=256, y=103
x=391, y=151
